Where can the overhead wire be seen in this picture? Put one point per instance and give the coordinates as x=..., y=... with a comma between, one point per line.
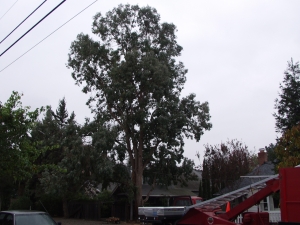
x=8, y=10
x=23, y=21
x=33, y=27
x=48, y=36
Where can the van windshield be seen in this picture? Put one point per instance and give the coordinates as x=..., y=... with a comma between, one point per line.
x=34, y=219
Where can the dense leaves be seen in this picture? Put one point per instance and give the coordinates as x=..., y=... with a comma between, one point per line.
x=224, y=164
x=288, y=118
x=166, y=171
x=71, y=165
x=288, y=103
x=135, y=81
x=271, y=153
x=288, y=148
x=16, y=147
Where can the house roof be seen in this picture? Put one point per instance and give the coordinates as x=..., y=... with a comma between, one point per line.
x=191, y=189
x=266, y=169
x=170, y=191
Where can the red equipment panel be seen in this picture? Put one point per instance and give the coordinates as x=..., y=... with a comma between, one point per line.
x=290, y=194
x=258, y=218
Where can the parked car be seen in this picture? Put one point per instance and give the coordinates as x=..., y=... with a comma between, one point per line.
x=24, y=217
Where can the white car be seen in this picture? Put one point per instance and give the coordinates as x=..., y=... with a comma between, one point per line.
x=23, y=217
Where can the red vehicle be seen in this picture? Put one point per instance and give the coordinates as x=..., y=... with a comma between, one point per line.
x=186, y=200
x=210, y=213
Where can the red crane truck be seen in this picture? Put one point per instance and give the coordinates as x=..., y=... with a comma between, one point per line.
x=210, y=213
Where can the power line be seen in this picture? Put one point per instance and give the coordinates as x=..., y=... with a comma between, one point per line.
x=47, y=36
x=33, y=27
x=8, y=9
x=23, y=21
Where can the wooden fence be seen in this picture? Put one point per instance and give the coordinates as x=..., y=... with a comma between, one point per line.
x=89, y=210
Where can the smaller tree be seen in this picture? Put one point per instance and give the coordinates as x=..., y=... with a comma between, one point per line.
x=17, y=150
x=77, y=160
x=288, y=103
x=271, y=153
x=224, y=164
x=288, y=148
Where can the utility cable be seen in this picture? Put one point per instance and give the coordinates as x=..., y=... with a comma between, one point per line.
x=8, y=9
x=23, y=21
x=47, y=36
x=33, y=27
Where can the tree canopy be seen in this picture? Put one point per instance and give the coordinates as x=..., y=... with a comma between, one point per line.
x=223, y=165
x=288, y=103
x=71, y=164
x=287, y=118
x=17, y=150
x=287, y=148
x=135, y=81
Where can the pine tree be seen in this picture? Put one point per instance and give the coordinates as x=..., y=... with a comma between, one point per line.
x=288, y=103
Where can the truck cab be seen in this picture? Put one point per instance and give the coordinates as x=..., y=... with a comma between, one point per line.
x=186, y=200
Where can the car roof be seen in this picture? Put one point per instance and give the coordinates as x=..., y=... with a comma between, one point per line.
x=23, y=212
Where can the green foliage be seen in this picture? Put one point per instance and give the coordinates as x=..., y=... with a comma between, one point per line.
x=21, y=203
x=288, y=103
x=51, y=204
x=288, y=148
x=76, y=161
x=16, y=148
x=48, y=203
x=107, y=200
x=105, y=196
x=136, y=83
x=223, y=165
x=18, y=151
x=271, y=153
x=6, y=192
x=63, y=174
x=166, y=171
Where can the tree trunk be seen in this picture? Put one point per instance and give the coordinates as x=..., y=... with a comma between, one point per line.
x=138, y=194
x=21, y=188
x=138, y=179
x=65, y=207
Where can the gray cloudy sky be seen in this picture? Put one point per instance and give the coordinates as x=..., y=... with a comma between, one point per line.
x=235, y=51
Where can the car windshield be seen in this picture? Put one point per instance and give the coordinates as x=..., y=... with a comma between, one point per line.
x=6, y=219
x=34, y=219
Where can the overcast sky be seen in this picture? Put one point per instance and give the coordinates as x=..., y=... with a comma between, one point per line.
x=235, y=52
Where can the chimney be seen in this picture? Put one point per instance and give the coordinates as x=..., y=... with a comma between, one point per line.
x=262, y=156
